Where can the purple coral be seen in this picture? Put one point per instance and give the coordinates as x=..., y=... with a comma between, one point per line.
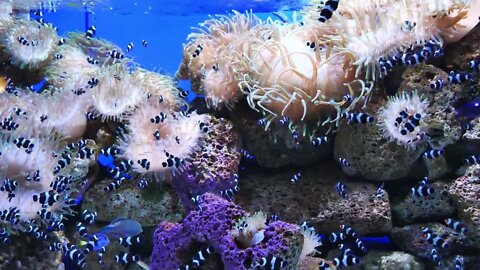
x=213, y=167
x=212, y=226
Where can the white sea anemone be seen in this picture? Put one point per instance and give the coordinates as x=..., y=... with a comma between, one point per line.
x=16, y=164
x=311, y=240
x=249, y=230
x=178, y=137
x=30, y=44
x=393, y=127
x=117, y=93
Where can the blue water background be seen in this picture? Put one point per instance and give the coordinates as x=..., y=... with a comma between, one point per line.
x=165, y=29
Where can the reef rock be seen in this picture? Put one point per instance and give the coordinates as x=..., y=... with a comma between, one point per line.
x=280, y=150
x=465, y=192
x=444, y=128
x=395, y=260
x=410, y=239
x=414, y=209
x=370, y=154
x=314, y=199
x=211, y=225
x=158, y=202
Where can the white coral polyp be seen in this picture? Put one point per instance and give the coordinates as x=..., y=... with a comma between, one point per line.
x=388, y=114
x=311, y=240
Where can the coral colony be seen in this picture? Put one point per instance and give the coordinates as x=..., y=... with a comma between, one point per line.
x=305, y=80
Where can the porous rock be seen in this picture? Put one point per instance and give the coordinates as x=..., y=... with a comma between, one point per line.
x=275, y=151
x=395, y=260
x=370, y=154
x=410, y=239
x=150, y=206
x=443, y=126
x=414, y=209
x=465, y=192
x=314, y=199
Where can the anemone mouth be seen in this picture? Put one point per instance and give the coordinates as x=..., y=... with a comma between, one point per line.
x=178, y=137
x=117, y=93
x=30, y=43
x=394, y=128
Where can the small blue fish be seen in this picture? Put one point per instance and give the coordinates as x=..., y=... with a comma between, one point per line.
x=121, y=228
x=38, y=86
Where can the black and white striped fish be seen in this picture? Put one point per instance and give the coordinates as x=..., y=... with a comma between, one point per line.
x=131, y=240
x=433, y=153
x=357, y=117
x=435, y=257
x=129, y=47
x=380, y=193
x=327, y=10
x=459, y=262
x=115, y=54
x=81, y=229
x=437, y=84
x=144, y=163
x=296, y=178
x=46, y=198
x=271, y=262
x=343, y=162
x=456, y=225
x=158, y=118
x=89, y=216
x=85, y=153
x=91, y=32
x=474, y=159
x=457, y=78
x=341, y=190
x=126, y=258
x=142, y=184
x=319, y=140
x=475, y=65
x=144, y=43
x=200, y=257
x=422, y=191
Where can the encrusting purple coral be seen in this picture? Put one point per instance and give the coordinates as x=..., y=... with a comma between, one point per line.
x=212, y=226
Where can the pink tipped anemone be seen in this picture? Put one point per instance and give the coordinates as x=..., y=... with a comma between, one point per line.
x=300, y=74
x=117, y=93
x=392, y=129
x=63, y=111
x=208, y=56
x=16, y=164
x=30, y=44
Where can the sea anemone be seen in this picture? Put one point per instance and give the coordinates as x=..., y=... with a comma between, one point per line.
x=375, y=29
x=300, y=74
x=164, y=142
x=311, y=240
x=404, y=119
x=32, y=114
x=209, y=56
x=159, y=87
x=116, y=93
x=72, y=71
x=248, y=231
x=30, y=44
x=32, y=170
